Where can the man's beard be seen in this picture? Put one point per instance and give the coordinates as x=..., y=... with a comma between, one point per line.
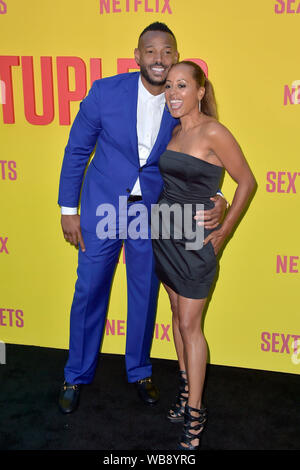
x=144, y=73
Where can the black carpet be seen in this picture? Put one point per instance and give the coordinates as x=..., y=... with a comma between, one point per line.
x=248, y=409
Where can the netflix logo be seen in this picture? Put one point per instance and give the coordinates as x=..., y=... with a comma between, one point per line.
x=291, y=94
x=118, y=328
x=136, y=6
x=287, y=264
x=3, y=245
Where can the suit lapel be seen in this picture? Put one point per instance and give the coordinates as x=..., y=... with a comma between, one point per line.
x=166, y=126
x=131, y=114
x=164, y=135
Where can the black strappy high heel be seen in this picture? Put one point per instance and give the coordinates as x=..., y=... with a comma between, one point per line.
x=187, y=436
x=176, y=413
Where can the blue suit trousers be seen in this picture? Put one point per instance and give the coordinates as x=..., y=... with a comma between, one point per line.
x=96, y=267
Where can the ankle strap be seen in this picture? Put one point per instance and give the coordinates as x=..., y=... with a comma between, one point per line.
x=182, y=378
x=201, y=411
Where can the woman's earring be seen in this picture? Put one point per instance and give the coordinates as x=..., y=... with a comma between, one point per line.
x=200, y=106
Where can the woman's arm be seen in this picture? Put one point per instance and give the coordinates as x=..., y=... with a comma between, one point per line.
x=231, y=156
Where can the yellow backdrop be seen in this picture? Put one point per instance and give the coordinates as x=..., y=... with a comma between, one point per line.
x=250, y=48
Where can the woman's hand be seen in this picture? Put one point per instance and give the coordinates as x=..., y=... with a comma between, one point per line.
x=217, y=239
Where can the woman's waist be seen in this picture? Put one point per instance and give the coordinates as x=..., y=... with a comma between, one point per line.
x=192, y=200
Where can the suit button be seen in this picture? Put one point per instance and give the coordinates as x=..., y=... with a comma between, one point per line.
x=140, y=169
x=128, y=190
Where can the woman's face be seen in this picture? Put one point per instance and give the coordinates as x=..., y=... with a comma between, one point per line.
x=182, y=92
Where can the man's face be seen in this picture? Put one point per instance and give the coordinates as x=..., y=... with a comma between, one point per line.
x=156, y=53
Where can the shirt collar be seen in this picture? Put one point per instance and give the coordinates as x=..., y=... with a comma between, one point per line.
x=144, y=94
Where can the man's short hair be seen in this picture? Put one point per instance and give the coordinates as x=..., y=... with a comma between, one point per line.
x=157, y=26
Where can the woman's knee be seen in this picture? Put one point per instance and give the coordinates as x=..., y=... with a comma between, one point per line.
x=189, y=326
x=185, y=325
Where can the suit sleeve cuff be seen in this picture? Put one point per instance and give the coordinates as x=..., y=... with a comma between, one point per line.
x=69, y=210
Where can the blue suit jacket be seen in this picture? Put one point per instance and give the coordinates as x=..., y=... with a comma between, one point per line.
x=107, y=118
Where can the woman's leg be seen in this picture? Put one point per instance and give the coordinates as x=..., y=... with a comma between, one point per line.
x=178, y=409
x=195, y=355
x=194, y=346
x=174, y=298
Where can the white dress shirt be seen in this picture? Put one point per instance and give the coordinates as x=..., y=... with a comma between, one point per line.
x=150, y=109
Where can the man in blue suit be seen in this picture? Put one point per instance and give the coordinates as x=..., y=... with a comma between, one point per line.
x=125, y=118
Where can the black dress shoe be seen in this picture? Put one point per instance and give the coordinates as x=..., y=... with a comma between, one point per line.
x=147, y=391
x=68, y=397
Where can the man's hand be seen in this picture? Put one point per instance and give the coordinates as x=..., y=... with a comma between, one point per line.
x=212, y=217
x=72, y=231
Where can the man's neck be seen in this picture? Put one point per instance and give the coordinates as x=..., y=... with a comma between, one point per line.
x=153, y=89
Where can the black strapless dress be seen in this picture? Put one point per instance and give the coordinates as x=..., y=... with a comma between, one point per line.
x=188, y=181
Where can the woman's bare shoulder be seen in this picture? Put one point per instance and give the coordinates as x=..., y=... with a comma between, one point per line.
x=214, y=128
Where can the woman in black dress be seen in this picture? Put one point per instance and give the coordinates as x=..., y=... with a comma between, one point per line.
x=192, y=166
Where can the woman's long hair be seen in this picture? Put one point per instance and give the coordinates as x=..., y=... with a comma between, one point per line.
x=208, y=102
